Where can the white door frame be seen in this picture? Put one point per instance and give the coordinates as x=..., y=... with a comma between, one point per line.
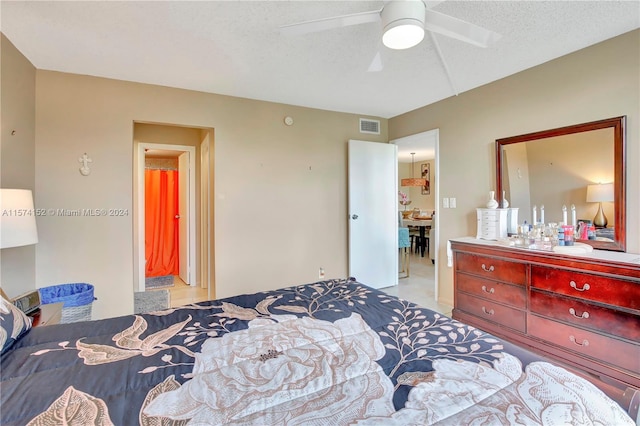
x=205, y=217
x=184, y=183
x=140, y=211
x=432, y=134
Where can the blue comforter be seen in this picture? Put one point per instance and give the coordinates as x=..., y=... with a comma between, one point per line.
x=331, y=352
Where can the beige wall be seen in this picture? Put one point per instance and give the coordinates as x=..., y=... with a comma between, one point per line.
x=17, y=156
x=595, y=83
x=280, y=202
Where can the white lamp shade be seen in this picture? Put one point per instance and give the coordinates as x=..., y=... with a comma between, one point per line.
x=599, y=193
x=17, y=218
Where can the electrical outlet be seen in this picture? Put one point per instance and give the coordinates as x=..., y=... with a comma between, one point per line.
x=452, y=203
x=321, y=273
x=445, y=203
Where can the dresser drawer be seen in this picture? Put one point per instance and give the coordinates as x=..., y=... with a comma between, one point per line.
x=489, y=213
x=492, y=268
x=490, y=311
x=598, y=288
x=586, y=343
x=583, y=314
x=488, y=227
x=511, y=295
x=488, y=235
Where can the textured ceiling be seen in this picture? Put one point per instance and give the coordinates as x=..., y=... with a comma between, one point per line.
x=235, y=48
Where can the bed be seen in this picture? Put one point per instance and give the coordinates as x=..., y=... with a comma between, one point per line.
x=327, y=353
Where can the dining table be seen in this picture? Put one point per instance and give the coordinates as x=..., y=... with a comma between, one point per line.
x=423, y=225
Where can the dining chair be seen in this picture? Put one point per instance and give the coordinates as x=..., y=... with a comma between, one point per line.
x=404, y=243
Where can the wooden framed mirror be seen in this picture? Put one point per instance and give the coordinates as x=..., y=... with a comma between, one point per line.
x=553, y=168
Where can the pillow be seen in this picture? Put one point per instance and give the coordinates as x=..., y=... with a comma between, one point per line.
x=13, y=324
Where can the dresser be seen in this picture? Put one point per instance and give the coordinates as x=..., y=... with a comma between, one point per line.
x=581, y=310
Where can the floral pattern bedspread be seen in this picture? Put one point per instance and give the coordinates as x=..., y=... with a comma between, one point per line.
x=328, y=353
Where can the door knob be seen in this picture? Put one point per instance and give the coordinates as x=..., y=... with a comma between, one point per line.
x=354, y=217
x=177, y=216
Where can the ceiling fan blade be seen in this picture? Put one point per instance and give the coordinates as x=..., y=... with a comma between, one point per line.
x=459, y=29
x=376, y=65
x=330, y=23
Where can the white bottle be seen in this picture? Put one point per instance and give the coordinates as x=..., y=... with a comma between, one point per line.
x=492, y=204
x=505, y=203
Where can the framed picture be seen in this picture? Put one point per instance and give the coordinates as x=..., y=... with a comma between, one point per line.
x=426, y=189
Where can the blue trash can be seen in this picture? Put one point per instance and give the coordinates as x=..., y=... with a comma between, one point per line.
x=77, y=298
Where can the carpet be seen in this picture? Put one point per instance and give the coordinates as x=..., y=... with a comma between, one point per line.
x=149, y=301
x=158, y=282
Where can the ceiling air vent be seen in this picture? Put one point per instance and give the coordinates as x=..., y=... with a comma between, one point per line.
x=369, y=126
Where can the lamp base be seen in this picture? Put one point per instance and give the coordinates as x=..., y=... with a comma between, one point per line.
x=600, y=220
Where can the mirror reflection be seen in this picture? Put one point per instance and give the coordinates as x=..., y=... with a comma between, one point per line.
x=578, y=169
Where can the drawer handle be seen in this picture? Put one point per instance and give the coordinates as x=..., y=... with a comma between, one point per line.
x=584, y=315
x=490, y=291
x=575, y=286
x=585, y=342
x=489, y=269
x=489, y=312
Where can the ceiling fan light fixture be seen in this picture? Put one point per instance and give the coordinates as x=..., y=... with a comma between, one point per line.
x=403, y=34
x=403, y=24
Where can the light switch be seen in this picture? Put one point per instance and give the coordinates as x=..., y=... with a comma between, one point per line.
x=452, y=202
x=445, y=203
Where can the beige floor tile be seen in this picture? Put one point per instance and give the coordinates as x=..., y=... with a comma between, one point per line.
x=419, y=287
x=183, y=294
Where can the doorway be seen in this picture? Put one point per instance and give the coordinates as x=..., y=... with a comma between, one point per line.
x=190, y=150
x=183, y=210
x=424, y=146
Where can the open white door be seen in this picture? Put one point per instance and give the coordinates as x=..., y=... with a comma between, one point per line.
x=183, y=216
x=373, y=213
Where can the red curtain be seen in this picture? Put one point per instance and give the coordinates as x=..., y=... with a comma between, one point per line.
x=161, y=227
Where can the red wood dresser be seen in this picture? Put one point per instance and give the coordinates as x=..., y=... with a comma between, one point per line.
x=581, y=310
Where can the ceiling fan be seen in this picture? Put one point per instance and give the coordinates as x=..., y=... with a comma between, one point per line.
x=404, y=24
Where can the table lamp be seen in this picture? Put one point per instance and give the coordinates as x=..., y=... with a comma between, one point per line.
x=17, y=218
x=598, y=194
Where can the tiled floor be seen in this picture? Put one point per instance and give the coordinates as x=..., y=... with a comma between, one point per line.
x=419, y=287
x=183, y=294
